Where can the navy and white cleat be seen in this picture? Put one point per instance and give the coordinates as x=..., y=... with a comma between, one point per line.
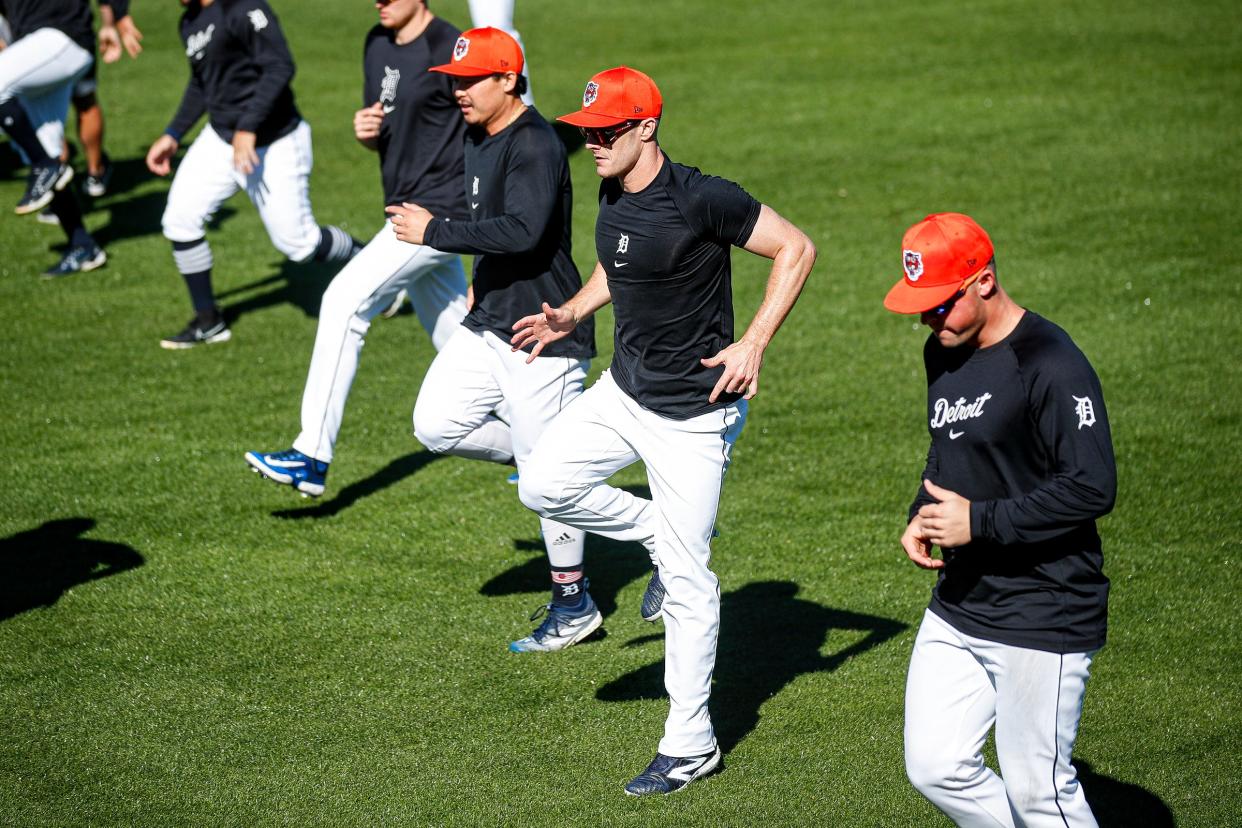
x=81, y=258
x=293, y=468
x=201, y=330
x=667, y=774
x=43, y=183
x=561, y=628
x=653, y=597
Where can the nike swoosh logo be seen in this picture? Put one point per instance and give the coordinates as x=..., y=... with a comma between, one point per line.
x=284, y=464
x=615, y=263
x=474, y=205
x=953, y=435
x=388, y=108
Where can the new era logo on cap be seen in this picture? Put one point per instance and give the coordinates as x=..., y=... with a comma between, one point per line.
x=614, y=96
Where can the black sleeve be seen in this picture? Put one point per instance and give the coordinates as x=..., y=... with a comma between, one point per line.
x=727, y=213
x=255, y=24
x=1067, y=408
x=931, y=471
x=193, y=105
x=531, y=191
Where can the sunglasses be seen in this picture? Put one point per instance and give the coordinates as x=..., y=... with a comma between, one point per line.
x=605, y=136
x=944, y=308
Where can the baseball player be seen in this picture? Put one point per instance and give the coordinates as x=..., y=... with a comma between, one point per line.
x=498, y=14
x=676, y=393
x=1019, y=468
x=52, y=48
x=255, y=139
x=410, y=118
x=521, y=204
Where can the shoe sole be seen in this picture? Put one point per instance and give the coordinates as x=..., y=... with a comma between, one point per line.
x=47, y=218
x=223, y=336
x=263, y=470
x=578, y=636
x=713, y=765
x=61, y=183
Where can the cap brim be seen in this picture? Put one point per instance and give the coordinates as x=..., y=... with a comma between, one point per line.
x=907, y=298
x=591, y=120
x=461, y=70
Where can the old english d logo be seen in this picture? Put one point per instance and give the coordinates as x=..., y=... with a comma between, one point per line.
x=912, y=261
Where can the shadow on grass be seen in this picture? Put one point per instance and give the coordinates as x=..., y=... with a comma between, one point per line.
x=394, y=472
x=768, y=637
x=301, y=285
x=38, y=566
x=1118, y=804
x=610, y=566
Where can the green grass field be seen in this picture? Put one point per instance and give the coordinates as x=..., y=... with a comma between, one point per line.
x=183, y=644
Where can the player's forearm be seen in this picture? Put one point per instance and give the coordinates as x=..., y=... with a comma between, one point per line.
x=193, y=105
x=790, y=268
x=593, y=295
x=106, y=16
x=111, y=11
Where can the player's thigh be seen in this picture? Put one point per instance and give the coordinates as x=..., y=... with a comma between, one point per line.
x=581, y=447
x=950, y=705
x=202, y=182
x=280, y=190
x=686, y=461
x=371, y=280
x=1038, y=707
x=41, y=62
x=536, y=392
x=460, y=389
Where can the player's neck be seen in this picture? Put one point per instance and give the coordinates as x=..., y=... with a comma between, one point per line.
x=510, y=112
x=1001, y=322
x=416, y=26
x=644, y=171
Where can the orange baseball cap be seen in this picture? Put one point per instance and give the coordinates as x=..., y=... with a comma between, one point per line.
x=485, y=51
x=938, y=255
x=615, y=96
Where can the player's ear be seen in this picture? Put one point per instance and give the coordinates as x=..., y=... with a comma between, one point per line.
x=647, y=129
x=987, y=283
x=509, y=81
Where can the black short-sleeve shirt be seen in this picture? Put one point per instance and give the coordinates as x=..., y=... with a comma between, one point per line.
x=421, y=137
x=666, y=253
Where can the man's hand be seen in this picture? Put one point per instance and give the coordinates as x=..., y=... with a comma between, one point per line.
x=918, y=548
x=947, y=523
x=742, y=361
x=109, y=43
x=131, y=37
x=367, y=123
x=409, y=221
x=159, y=157
x=542, y=329
x=245, y=159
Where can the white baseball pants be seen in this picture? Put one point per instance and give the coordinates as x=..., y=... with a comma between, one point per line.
x=41, y=69
x=478, y=375
x=279, y=187
x=436, y=285
x=604, y=431
x=958, y=688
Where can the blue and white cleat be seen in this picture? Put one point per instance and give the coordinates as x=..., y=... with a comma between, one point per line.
x=561, y=628
x=667, y=774
x=653, y=597
x=293, y=468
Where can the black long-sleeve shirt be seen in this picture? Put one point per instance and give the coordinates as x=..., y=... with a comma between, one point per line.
x=73, y=17
x=240, y=70
x=1020, y=430
x=521, y=205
